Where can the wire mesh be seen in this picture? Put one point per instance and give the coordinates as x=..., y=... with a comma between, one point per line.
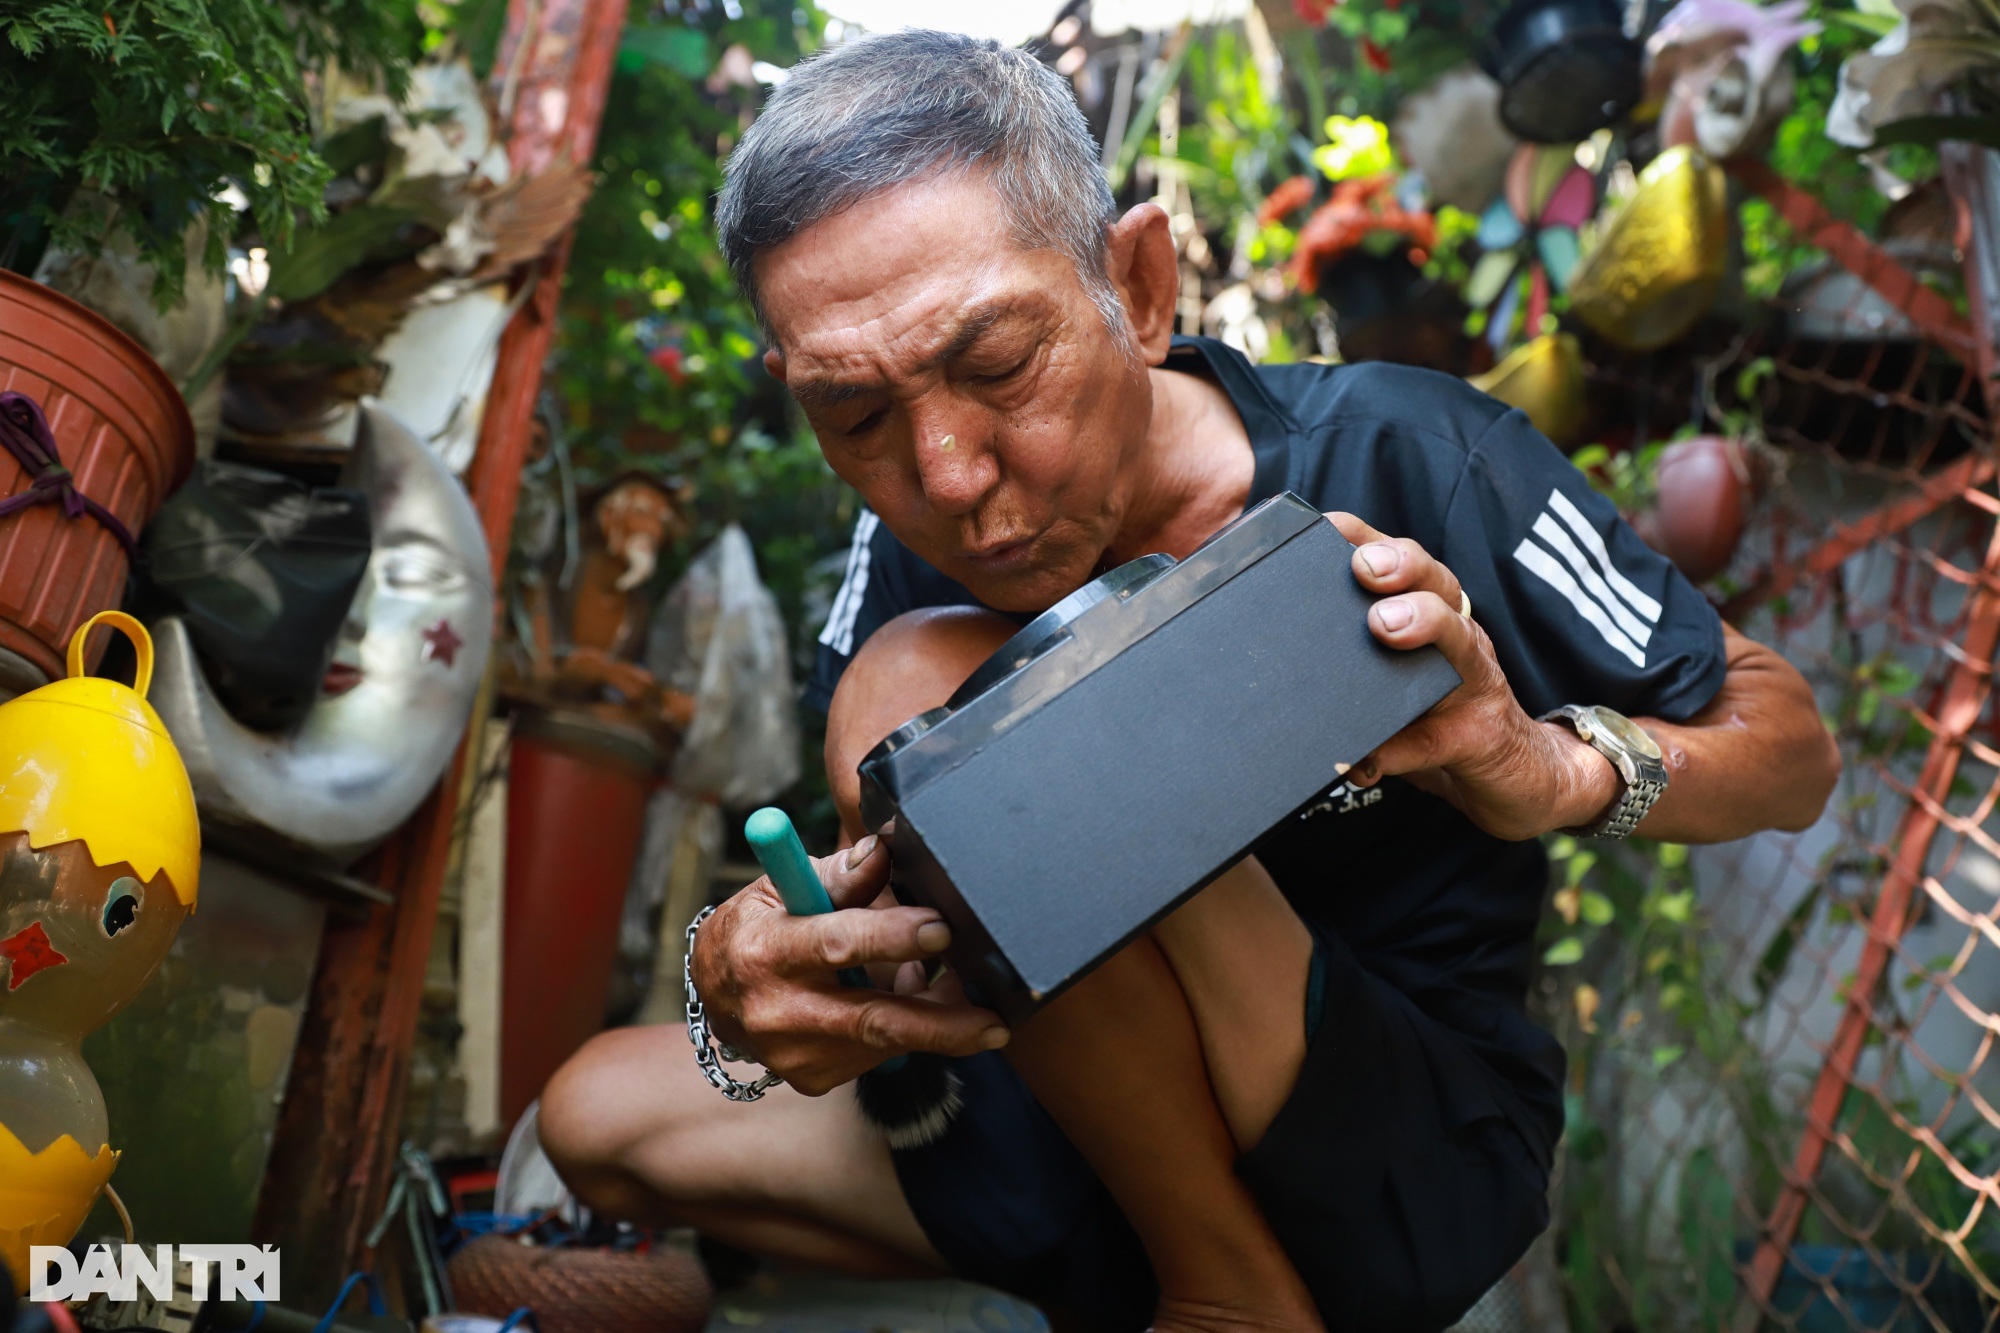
x=1785, y=1093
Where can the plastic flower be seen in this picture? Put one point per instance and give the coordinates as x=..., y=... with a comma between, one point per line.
x=1765, y=32
x=1717, y=66
x=1936, y=44
x=1289, y=196
x=1360, y=209
x=1355, y=146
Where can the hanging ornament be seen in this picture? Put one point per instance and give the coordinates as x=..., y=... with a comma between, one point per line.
x=1659, y=260
x=1566, y=69
x=1451, y=132
x=1529, y=239
x=100, y=855
x=1544, y=378
x=411, y=657
x=1717, y=70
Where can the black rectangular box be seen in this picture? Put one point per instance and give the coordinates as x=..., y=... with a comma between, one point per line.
x=1133, y=743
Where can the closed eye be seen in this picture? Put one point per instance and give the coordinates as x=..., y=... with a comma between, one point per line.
x=1001, y=376
x=867, y=423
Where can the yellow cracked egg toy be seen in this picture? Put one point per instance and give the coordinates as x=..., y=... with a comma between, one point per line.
x=99, y=856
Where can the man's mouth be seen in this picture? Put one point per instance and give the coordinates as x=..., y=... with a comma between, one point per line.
x=1001, y=558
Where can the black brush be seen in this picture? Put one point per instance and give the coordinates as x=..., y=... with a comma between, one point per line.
x=909, y=1099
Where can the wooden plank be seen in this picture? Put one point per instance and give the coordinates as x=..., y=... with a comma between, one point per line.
x=341, y=1124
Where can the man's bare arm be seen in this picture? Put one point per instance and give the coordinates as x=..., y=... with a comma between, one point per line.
x=1757, y=757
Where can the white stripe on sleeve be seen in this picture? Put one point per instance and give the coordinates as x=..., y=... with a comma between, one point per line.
x=1550, y=571
x=839, y=632
x=1593, y=542
x=1551, y=532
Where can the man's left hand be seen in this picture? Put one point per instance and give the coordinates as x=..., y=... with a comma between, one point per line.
x=1513, y=776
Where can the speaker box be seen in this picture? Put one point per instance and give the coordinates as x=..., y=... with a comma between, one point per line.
x=1133, y=742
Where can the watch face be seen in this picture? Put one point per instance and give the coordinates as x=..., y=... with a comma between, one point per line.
x=1626, y=732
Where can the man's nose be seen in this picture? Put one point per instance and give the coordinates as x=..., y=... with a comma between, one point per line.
x=955, y=467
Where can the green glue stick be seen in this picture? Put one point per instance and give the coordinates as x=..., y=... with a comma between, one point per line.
x=784, y=859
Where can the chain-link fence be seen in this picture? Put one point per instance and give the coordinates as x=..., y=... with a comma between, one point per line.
x=1785, y=1097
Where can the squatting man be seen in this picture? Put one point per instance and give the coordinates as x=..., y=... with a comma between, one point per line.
x=1311, y=1097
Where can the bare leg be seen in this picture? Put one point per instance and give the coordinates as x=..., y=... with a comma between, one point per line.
x=1253, y=1036
x=1118, y=1062
x=638, y=1134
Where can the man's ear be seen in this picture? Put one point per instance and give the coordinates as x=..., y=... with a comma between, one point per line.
x=1145, y=272
x=774, y=364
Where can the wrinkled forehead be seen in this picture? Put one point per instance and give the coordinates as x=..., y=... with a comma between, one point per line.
x=900, y=267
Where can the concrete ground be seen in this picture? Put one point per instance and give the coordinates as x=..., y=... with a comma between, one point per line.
x=815, y=1303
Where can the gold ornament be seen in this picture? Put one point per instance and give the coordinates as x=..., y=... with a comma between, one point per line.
x=1656, y=267
x=44, y=1196
x=1544, y=378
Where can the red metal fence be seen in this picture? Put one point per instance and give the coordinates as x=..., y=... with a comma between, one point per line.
x=1835, y=1163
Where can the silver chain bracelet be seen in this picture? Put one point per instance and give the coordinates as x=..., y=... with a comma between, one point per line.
x=707, y=1053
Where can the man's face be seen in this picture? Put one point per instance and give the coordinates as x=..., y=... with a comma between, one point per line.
x=967, y=388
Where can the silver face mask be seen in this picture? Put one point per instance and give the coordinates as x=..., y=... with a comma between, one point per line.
x=410, y=658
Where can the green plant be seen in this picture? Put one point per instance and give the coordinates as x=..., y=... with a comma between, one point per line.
x=1636, y=991
x=162, y=107
x=1802, y=153
x=1375, y=52
x=658, y=361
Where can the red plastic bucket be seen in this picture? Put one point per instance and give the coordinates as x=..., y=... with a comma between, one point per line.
x=576, y=809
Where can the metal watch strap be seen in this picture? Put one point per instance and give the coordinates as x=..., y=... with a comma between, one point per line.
x=1632, y=807
x=1640, y=791
x=706, y=1053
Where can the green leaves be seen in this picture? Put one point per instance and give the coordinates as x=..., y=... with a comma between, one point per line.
x=1564, y=951
x=1675, y=907
x=316, y=259
x=682, y=49
x=163, y=107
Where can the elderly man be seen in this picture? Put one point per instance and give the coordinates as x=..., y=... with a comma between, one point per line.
x=1312, y=1096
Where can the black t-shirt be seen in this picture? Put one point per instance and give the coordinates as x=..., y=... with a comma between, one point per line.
x=1579, y=611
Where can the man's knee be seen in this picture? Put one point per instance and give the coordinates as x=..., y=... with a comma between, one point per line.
x=914, y=662
x=596, y=1112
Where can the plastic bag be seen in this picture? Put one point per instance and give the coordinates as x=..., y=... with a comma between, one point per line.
x=719, y=637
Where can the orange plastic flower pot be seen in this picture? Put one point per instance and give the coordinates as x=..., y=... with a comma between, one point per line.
x=121, y=429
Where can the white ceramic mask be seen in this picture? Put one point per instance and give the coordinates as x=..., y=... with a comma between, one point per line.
x=415, y=646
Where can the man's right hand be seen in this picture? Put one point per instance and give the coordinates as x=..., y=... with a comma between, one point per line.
x=768, y=979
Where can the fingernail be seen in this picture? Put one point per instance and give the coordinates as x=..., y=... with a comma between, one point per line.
x=860, y=851
x=933, y=936
x=1394, y=613
x=1381, y=558
x=994, y=1038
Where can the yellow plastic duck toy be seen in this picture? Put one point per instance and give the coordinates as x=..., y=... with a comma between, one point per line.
x=100, y=853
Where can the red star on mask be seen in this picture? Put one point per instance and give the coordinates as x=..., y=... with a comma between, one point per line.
x=441, y=644
x=29, y=951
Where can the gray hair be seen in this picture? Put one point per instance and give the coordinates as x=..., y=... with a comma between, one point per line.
x=894, y=107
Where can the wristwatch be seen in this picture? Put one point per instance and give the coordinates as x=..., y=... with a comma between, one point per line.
x=1631, y=751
